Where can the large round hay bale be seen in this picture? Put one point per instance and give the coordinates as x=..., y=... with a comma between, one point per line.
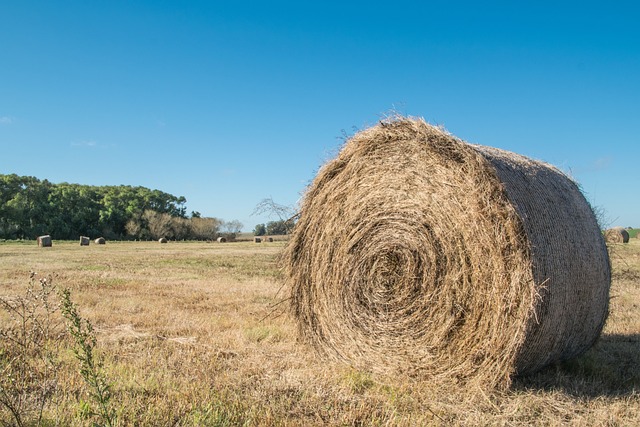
x=222, y=240
x=100, y=241
x=45, y=241
x=84, y=241
x=417, y=252
x=616, y=235
x=162, y=240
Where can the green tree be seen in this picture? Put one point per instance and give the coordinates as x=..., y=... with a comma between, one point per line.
x=278, y=227
x=73, y=211
x=23, y=206
x=30, y=207
x=260, y=230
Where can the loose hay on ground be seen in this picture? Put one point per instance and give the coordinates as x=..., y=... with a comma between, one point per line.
x=417, y=252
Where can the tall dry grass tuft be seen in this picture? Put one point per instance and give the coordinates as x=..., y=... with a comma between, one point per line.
x=30, y=340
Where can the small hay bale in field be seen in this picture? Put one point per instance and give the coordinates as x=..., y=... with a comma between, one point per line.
x=162, y=240
x=222, y=240
x=417, y=252
x=617, y=235
x=268, y=239
x=84, y=241
x=100, y=241
x=257, y=240
x=45, y=241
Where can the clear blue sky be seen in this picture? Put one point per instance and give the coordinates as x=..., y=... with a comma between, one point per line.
x=226, y=103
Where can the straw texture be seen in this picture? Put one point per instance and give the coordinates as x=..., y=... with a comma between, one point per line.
x=417, y=252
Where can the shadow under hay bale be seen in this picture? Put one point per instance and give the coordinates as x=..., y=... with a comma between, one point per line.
x=100, y=241
x=417, y=252
x=84, y=241
x=616, y=235
x=45, y=241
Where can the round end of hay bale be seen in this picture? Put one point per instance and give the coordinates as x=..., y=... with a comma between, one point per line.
x=257, y=239
x=417, y=252
x=84, y=241
x=616, y=235
x=44, y=241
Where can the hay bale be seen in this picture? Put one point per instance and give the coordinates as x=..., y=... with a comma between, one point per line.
x=257, y=240
x=100, y=241
x=45, y=241
x=616, y=235
x=162, y=240
x=222, y=240
x=417, y=252
x=84, y=241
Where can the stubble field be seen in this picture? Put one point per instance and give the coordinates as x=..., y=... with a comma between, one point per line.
x=193, y=334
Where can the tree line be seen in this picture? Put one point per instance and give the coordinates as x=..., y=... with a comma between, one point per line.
x=30, y=207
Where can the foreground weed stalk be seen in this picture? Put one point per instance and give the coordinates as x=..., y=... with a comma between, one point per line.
x=28, y=364
x=90, y=368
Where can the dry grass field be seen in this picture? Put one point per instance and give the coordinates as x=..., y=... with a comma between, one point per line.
x=192, y=334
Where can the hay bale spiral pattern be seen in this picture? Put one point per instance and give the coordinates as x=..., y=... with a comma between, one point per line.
x=417, y=252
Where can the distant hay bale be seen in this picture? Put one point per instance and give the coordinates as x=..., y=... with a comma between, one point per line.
x=257, y=240
x=162, y=240
x=44, y=241
x=417, y=252
x=100, y=241
x=222, y=240
x=268, y=239
x=616, y=235
x=84, y=241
